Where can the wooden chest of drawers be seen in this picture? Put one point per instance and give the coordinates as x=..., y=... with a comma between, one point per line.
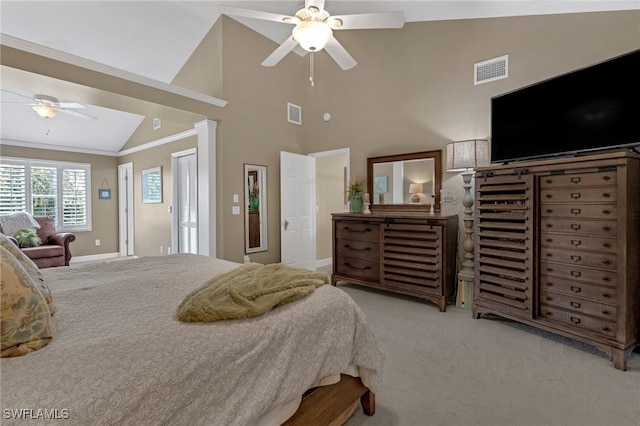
x=407, y=253
x=579, y=275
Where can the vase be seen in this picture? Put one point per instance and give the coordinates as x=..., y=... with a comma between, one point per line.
x=356, y=203
x=254, y=204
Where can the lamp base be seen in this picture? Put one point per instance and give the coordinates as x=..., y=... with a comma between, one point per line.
x=415, y=198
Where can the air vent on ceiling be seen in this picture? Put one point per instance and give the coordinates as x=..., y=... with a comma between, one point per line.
x=294, y=113
x=491, y=69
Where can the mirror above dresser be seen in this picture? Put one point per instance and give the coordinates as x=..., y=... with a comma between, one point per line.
x=405, y=181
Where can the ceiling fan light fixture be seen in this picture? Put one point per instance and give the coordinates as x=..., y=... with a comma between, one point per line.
x=312, y=35
x=45, y=111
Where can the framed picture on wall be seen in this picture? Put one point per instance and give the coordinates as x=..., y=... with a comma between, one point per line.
x=152, y=185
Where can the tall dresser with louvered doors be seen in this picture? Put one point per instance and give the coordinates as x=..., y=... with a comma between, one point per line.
x=558, y=247
x=408, y=253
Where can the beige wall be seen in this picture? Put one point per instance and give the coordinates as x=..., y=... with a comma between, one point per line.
x=104, y=213
x=330, y=197
x=411, y=91
x=152, y=222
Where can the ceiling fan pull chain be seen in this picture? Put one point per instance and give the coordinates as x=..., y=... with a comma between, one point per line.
x=311, y=69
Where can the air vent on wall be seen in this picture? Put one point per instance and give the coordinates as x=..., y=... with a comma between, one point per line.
x=294, y=113
x=491, y=69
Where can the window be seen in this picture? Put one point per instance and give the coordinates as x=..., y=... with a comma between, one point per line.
x=47, y=188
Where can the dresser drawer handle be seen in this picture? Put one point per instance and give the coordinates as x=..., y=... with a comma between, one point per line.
x=549, y=211
x=576, y=289
x=549, y=269
x=355, y=267
x=549, y=225
x=606, y=278
x=575, y=305
x=549, y=254
x=357, y=249
x=576, y=242
x=549, y=240
x=576, y=274
x=549, y=298
x=549, y=284
x=549, y=181
x=606, y=177
x=575, y=195
x=607, y=295
x=575, y=320
x=605, y=328
x=605, y=211
x=576, y=211
x=576, y=258
x=605, y=312
x=606, y=195
x=575, y=226
x=346, y=228
x=549, y=313
x=606, y=228
x=606, y=245
x=606, y=261
x=575, y=180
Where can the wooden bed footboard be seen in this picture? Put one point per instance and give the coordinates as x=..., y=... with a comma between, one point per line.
x=333, y=404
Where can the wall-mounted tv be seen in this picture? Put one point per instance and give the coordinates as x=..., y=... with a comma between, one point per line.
x=593, y=108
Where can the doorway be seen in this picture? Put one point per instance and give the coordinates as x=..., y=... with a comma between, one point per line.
x=125, y=209
x=184, y=226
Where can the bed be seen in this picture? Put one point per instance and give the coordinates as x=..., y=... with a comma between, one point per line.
x=120, y=356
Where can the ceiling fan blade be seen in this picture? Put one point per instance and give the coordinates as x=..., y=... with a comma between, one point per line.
x=364, y=21
x=317, y=3
x=256, y=14
x=78, y=114
x=18, y=94
x=71, y=105
x=340, y=54
x=276, y=56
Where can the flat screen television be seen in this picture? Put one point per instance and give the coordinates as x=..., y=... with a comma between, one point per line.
x=593, y=108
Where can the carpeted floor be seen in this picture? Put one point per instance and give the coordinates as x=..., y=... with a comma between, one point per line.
x=450, y=369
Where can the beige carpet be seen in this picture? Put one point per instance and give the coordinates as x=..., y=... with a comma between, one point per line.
x=450, y=369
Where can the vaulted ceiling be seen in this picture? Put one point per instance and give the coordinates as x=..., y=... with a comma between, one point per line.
x=154, y=39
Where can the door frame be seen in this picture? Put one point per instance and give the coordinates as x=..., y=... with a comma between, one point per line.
x=175, y=226
x=126, y=220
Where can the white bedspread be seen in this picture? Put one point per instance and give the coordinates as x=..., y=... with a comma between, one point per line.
x=120, y=356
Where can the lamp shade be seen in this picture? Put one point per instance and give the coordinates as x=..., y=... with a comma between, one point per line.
x=467, y=155
x=415, y=188
x=312, y=35
x=45, y=111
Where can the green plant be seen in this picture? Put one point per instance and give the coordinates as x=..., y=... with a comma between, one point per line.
x=355, y=188
x=27, y=238
x=254, y=192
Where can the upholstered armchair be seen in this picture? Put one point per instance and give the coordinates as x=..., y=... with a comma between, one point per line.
x=54, y=250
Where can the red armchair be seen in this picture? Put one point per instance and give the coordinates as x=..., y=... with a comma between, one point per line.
x=54, y=250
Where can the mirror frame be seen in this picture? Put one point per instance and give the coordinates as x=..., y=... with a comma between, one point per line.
x=260, y=175
x=437, y=178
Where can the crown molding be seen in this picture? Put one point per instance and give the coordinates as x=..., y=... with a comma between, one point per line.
x=57, y=55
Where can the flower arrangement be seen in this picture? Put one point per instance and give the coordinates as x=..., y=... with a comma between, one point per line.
x=254, y=192
x=355, y=188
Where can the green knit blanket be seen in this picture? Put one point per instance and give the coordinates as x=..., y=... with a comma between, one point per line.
x=247, y=291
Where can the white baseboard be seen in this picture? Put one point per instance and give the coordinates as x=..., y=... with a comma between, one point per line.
x=93, y=257
x=324, y=262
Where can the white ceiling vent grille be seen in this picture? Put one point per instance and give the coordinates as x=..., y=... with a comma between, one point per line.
x=491, y=69
x=294, y=113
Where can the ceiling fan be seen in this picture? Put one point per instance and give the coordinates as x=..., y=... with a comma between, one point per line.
x=314, y=28
x=48, y=107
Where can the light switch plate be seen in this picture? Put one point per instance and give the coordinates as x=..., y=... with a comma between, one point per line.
x=235, y=210
x=235, y=198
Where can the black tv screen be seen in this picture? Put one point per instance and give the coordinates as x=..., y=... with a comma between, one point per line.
x=593, y=108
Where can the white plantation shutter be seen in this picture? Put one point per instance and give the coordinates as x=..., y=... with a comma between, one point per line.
x=74, y=196
x=47, y=188
x=13, y=188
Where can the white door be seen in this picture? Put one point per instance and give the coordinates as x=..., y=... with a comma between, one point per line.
x=185, y=201
x=298, y=210
x=125, y=208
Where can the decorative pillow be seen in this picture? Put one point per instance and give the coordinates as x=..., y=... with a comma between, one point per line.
x=25, y=321
x=14, y=222
x=31, y=268
x=27, y=238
